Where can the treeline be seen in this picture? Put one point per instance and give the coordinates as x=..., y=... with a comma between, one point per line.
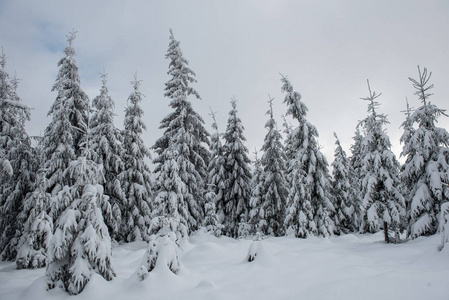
x=65, y=198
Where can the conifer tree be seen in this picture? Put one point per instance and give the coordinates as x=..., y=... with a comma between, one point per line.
x=289, y=151
x=107, y=144
x=37, y=228
x=383, y=204
x=238, y=175
x=409, y=130
x=69, y=112
x=357, y=150
x=135, y=179
x=216, y=181
x=19, y=165
x=81, y=244
x=170, y=205
x=426, y=170
x=257, y=213
x=308, y=203
x=185, y=134
x=344, y=190
x=355, y=162
x=275, y=189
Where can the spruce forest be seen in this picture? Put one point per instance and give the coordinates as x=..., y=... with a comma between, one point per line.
x=86, y=190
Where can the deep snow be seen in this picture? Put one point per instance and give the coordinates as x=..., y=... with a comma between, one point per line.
x=345, y=267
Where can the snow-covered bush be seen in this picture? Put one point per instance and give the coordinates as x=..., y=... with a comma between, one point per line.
x=162, y=252
x=254, y=248
x=211, y=219
x=81, y=243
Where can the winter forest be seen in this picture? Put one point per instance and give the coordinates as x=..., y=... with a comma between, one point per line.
x=84, y=189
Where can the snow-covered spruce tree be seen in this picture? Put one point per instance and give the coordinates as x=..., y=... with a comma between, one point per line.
x=69, y=112
x=344, y=190
x=275, y=189
x=383, y=204
x=238, y=175
x=107, y=144
x=216, y=182
x=409, y=130
x=308, y=203
x=81, y=243
x=170, y=206
x=357, y=150
x=19, y=163
x=288, y=143
x=356, y=164
x=135, y=178
x=426, y=169
x=37, y=228
x=8, y=121
x=256, y=213
x=184, y=133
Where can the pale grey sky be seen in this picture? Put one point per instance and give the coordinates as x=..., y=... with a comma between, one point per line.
x=237, y=48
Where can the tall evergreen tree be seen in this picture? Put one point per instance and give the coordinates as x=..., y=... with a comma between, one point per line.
x=275, y=189
x=107, y=144
x=135, y=179
x=216, y=179
x=308, y=202
x=409, y=130
x=426, y=170
x=344, y=190
x=383, y=204
x=19, y=165
x=63, y=136
x=257, y=213
x=356, y=164
x=171, y=210
x=185, y=134
x=238, y=175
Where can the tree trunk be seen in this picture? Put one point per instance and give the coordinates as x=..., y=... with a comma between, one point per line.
x=387, y=239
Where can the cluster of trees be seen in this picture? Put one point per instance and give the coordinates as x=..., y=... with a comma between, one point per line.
x=65, y=197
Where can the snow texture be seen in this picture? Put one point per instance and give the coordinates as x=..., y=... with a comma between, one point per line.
x=343, y=267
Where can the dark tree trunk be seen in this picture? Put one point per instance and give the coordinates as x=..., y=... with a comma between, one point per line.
x=387, y=239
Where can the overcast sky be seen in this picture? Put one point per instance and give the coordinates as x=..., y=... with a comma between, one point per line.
x=328, y=49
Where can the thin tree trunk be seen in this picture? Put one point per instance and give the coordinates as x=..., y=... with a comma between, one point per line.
x=387, y=239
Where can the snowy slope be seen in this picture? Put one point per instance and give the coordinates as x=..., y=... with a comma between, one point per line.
x=346, y=267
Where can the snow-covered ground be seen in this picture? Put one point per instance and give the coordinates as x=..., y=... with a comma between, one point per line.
x=346, y=267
